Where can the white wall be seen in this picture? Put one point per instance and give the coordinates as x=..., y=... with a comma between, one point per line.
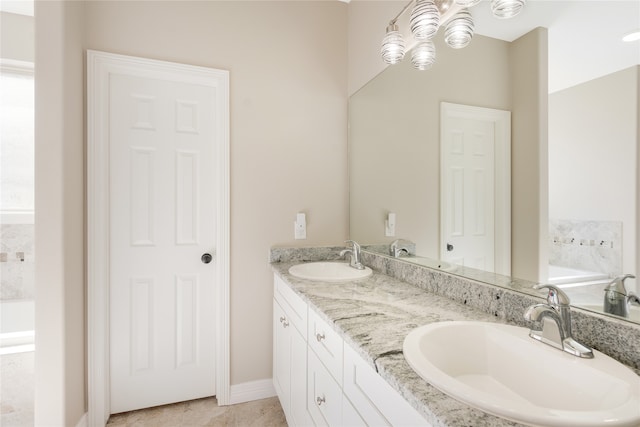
x=593, y=152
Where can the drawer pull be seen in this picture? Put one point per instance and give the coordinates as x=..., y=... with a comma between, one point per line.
x=320, y=400
x=320, y=337
x=284, y=322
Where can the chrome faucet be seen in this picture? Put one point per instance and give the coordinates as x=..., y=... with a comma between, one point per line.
x=354, y=252
x=401, y=246
x=552, y=323
x=616, y=297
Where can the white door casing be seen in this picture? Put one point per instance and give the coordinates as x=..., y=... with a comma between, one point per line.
x=105, y=72
x=475, y=186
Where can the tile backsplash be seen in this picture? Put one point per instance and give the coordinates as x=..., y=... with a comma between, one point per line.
x=586, y=245
x=17, y=262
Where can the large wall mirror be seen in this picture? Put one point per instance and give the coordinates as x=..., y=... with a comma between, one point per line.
x=589, y=149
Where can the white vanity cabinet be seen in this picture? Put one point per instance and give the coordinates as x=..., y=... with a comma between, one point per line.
x=376, y=401
x=290, y=353
x=321, y=380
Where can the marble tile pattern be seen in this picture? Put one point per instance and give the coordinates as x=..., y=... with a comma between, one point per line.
x=17, y=278
x=205, y=412
x=586, y=245
x=374, y=315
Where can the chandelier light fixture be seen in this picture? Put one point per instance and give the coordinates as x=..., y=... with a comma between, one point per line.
x=426, y=18
x=459, y=30
x=393, y=46
x=423, y=55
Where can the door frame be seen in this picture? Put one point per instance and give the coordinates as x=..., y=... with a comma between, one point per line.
x=100, y=65
x=502, y=178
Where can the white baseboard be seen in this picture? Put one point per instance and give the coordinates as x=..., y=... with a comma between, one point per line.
x=83, y=421
x=252, y=390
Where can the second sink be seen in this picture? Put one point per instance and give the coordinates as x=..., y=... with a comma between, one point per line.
x=328, y=271
x=501, y=370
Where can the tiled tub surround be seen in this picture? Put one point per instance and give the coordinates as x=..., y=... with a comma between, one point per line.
x=586, y=245
x=374, y=315
x=16, y=262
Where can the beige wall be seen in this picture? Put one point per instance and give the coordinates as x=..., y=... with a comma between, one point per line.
x=637, y=273
x=593, y=149
x=59, y=229
x=368, y=21
x=529, y=156
x=288, y=72
x=17, y=36
x=394, y=139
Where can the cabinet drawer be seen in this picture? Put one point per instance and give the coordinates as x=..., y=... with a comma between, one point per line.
x=324, y=394
x=327, y=344
x=294, y=306
x=374, y=399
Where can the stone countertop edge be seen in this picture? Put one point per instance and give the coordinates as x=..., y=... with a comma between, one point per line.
x=374, y=315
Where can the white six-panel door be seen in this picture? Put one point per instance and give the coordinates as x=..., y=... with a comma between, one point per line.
x=475, y=190
x=468, y=196
x=163, y=219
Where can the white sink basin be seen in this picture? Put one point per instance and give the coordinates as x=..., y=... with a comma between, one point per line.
x=328, y=271
x=501, y=370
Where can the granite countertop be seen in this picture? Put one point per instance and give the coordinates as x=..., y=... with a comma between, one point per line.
x=374, y=315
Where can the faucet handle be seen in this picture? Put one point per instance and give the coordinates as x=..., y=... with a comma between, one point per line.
x=356, y=246
x=556, y=296
x=617, y=284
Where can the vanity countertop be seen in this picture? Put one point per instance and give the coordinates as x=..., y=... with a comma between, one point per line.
x=374, y=315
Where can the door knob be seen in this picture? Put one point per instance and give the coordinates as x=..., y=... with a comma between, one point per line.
x=449, y=247
x=206, y=258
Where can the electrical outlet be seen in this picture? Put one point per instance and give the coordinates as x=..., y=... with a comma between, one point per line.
x=300, y=227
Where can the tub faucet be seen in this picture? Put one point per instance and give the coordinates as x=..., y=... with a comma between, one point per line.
x=354, y=253
x=552, y=323
x=616, y=297
x=401, y=247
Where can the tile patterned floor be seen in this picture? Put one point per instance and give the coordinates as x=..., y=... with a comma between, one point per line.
x=17, y=389
x=205, y=412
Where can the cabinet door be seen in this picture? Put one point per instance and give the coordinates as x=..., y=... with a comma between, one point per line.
x=324, y=394
x=300, y=415
x=282, y=356
x=351, y=417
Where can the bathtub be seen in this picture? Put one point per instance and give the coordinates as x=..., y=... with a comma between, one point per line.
x=563, y=275
x=17, y=320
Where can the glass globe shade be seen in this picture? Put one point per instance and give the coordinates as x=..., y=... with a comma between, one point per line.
x=424, y=20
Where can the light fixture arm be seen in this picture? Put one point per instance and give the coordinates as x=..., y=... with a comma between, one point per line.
x=402, y=12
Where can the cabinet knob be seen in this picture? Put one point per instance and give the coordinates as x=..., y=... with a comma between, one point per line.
x=284, y=321
x=320, y=337
x=320, y=400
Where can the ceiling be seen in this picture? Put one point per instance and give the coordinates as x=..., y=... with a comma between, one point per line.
x=20, y=7
x=585, y=36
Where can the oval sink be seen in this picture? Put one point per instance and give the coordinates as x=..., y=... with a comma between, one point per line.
x=501, y=370
x=328, y=271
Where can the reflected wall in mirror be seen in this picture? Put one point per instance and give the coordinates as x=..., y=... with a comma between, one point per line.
x=586, y=218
